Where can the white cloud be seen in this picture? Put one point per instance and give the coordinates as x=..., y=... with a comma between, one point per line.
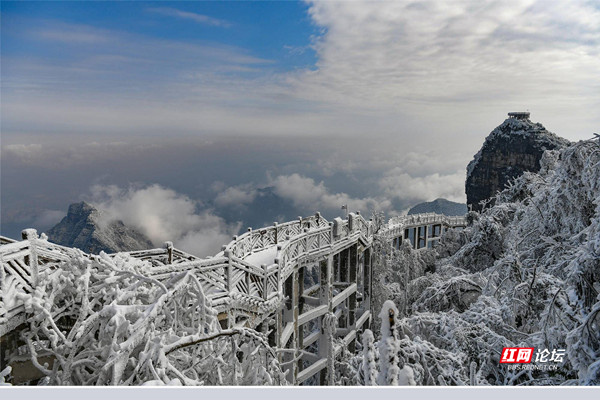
x=410, y=190
x=434, y=51
x=164, y=215
x=451, y=61
x=24, y=152
x=430, y=71
x=199, y=18
x=74, y=34
x=306, y=194
x=235, y=195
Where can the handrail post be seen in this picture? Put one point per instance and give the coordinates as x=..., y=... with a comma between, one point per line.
x=331, y=232
x=278, y=261
x=229, y=284
x=265, y=282
x=305, y=239
x=229, y=271
x=235, y=244
x=31, y=236
x=279, y=316
x=169, y=247
x=251, y=247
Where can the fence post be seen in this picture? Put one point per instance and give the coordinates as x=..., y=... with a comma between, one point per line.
x=279, y=313
x=265, y=282
x=296, y=339
x=278, y=261
x=169, y=247
x=229, y=284
x=251, y=249
x=229, y=271
x=31, y=236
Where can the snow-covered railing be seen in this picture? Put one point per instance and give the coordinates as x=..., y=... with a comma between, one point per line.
x=221, y=275
x=396, y=225
x=26, y=259
x=362, y=225
x=20, y=264
x=165, y=256
x=5, y=240
x=254, y=277
x=260, y=239
x=301, y=246
x=229, y=279
x=318, y=241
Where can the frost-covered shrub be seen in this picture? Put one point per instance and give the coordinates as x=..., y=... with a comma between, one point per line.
x=457, y=293
x=105, y=321
x=530, y=266
x=394, y=269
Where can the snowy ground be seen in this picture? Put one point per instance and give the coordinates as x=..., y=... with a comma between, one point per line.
x=266, y=256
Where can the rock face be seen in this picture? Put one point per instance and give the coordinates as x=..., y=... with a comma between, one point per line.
x=83, y=229
x=440, y=206
x=509, y=150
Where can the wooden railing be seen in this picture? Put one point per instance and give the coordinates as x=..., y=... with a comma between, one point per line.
x=260, y=239
x=396, y=225
x=227, y=278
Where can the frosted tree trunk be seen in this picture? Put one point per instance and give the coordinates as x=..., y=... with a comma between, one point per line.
x=369, y=365
x=472, y=373
x=330, y=321
x=388, y=345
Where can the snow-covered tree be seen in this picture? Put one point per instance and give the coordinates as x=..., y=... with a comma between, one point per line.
x=3, y=376
x=368, y=370
x=105, y=321
x=388, y=345
x=524, y=273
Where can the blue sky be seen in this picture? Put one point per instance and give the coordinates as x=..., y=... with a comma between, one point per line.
x=277, y=31
x=375, y=104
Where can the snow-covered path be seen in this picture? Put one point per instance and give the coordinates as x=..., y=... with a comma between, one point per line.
x=266, y=256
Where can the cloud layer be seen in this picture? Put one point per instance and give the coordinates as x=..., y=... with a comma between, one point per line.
x=460, y=54
x=427, y=71
x=306, y=194
x=164, y=215
x=400, y=97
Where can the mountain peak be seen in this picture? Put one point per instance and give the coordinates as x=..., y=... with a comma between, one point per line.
x=83, y=228
x=513, y=147
x=439, y=206
x=81, y=208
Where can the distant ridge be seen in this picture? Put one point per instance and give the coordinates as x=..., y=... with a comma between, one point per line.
x=81, y=228
x=440, y=206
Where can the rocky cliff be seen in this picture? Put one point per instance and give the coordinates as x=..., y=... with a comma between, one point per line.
x=509, y=150
x=84, y=229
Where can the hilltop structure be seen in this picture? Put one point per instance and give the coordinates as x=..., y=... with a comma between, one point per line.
x=519, y=115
